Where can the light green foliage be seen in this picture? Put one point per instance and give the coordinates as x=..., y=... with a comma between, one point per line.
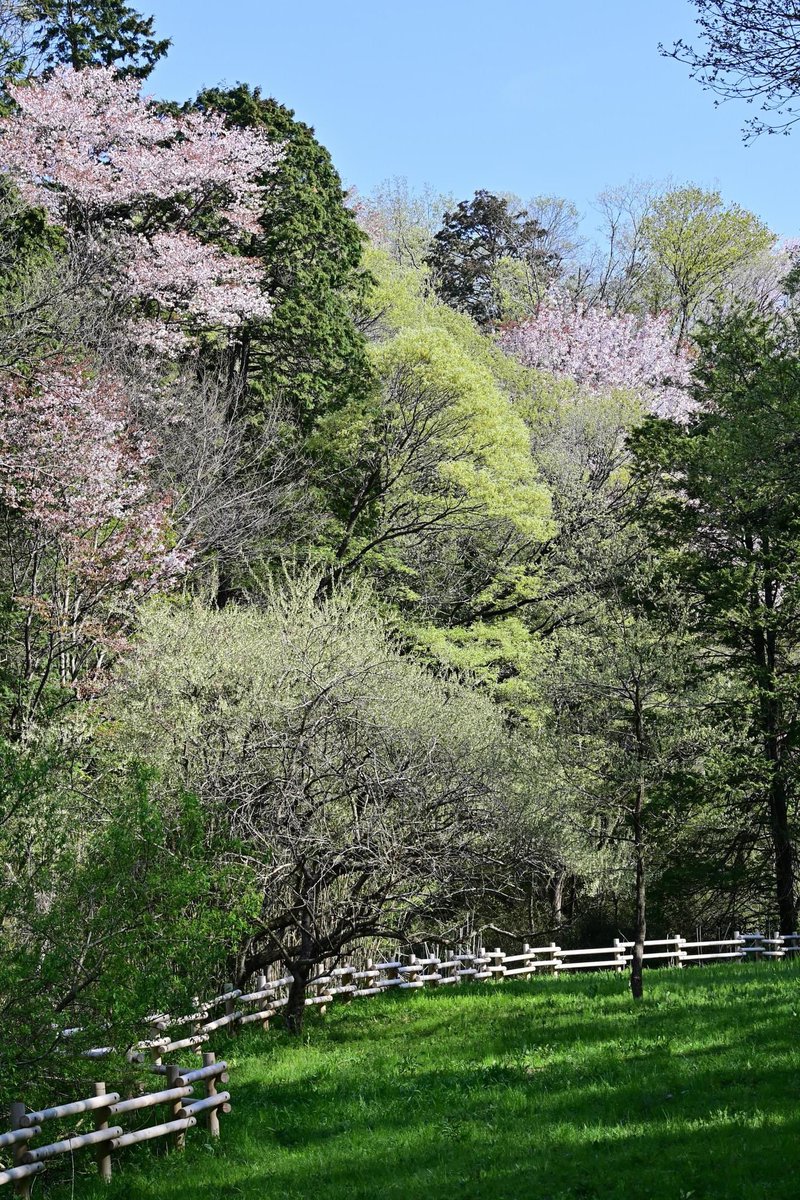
x=402, y=300
x=482, y=651
x=200, y=680
x=555, y=1088
x=694, y=242
x=436, y=492
x=360, y=788
x=518, y=292
x=487, y=456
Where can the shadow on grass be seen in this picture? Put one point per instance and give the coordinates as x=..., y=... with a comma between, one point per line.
x=554, y=1089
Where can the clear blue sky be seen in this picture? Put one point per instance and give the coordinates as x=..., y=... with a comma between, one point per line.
x=559, y=97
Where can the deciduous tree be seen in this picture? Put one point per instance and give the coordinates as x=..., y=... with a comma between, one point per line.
x=603, y=351
x=693, y=243
x=750, y=52
x=357, y=787
x=83, y=536
x=146, y=191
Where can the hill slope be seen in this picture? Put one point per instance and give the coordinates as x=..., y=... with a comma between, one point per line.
x=555, y=1088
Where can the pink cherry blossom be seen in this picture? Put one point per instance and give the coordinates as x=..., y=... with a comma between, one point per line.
x=189, y=278
x=103, y=160
x=603, y=351
x=84, y=537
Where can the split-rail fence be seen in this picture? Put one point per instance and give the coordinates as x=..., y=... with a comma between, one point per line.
x=270, y=996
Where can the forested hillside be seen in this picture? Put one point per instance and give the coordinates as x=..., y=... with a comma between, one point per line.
x=374, y=568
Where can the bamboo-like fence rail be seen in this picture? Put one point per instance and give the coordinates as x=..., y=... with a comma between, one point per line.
x=368, y=978
x=104, y=1108
x=345, y=982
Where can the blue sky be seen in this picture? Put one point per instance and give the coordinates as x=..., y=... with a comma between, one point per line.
x=527, y=96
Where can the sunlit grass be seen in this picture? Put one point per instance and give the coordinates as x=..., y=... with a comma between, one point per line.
x=550, y=1089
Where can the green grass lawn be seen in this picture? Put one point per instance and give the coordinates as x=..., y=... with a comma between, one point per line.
x=555, y=1088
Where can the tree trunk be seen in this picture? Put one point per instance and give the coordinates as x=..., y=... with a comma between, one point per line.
x=766, y=656
x=72, y=38
x=637, y=986
x=296, y=1007
x=225, y=588
x=557, y=897
x=572, y=899
x=782, y=848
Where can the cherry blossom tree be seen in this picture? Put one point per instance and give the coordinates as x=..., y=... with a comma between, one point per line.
x=604, y=351
x=83, y=537
x=170, y=200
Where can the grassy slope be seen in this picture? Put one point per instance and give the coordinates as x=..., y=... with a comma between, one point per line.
x=555, y=1088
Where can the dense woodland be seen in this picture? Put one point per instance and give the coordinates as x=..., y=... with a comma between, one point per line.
x=374, y=569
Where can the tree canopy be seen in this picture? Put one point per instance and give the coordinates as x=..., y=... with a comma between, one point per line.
x=372, y=569
x=749, y=52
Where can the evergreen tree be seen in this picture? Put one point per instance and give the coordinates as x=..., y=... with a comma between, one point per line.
x=729, y=519
x=82, y=33
x=311, y=354
x=475, y=238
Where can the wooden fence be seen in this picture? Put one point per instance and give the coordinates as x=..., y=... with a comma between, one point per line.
x=103, y=1109
x=352, y=980
x=346, y=982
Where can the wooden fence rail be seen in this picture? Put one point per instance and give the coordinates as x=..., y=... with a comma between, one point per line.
x=182, y=1110
x=352, y=980
x=266, y=1000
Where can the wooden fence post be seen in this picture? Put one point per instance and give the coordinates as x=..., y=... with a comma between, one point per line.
x=230, y=1008
x=496, y=967
x=680, y=942
x=104, y=1149
x=212, y=1122
x=261, y=986
x=173, y=1075
x=672, y=961
x=23, y=1187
